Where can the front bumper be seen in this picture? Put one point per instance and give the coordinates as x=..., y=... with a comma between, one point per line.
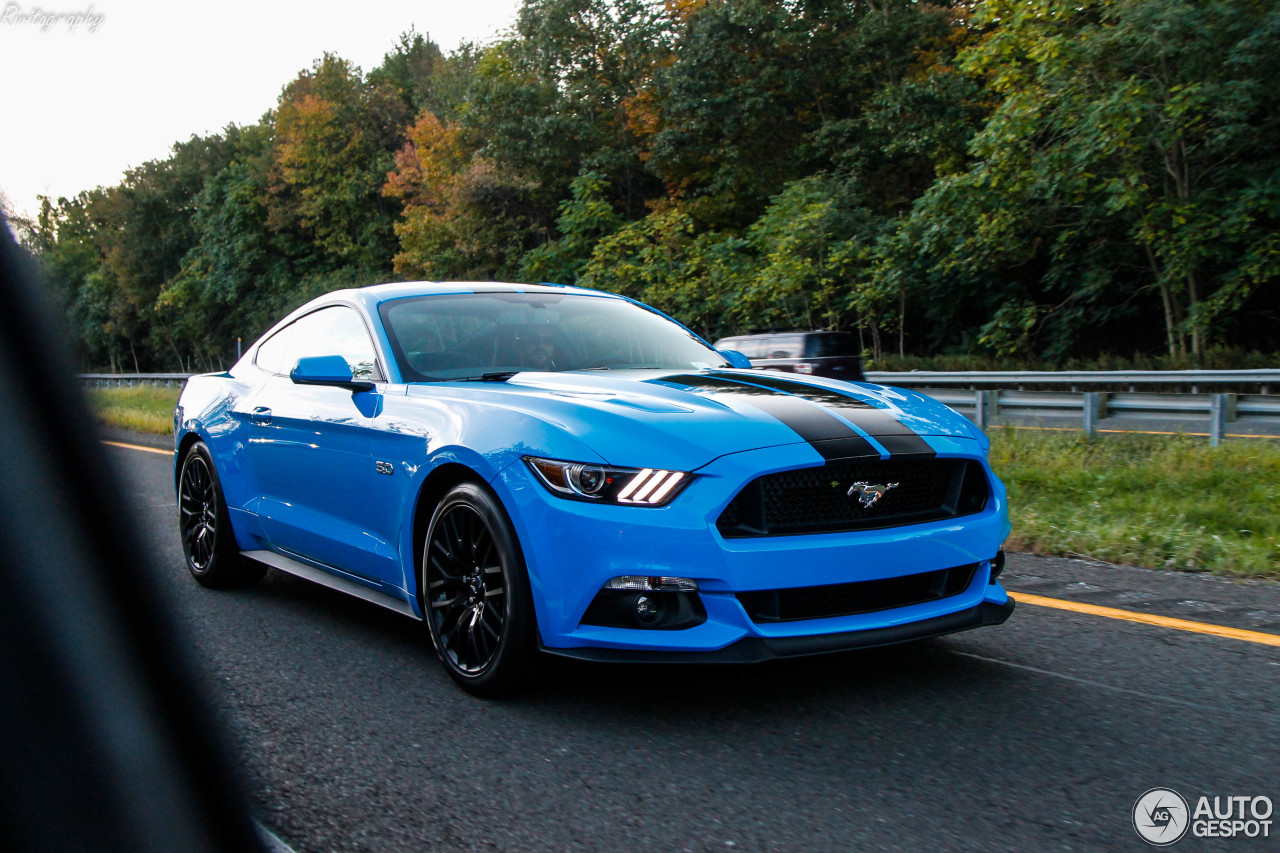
x=760, y=649
x=573, y=548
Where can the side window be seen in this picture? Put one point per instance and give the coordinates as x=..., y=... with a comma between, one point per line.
x=784, y=346
x=334, y=331
x=270, y=355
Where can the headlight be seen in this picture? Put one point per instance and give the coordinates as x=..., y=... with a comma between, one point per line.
x=585, y=481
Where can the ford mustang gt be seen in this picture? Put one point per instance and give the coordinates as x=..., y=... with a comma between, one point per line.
x=551, y=470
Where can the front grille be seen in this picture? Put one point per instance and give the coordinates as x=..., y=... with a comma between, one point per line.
x=846, y=599
x=817, y=500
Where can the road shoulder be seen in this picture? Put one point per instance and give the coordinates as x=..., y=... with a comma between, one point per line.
x=1246, y=603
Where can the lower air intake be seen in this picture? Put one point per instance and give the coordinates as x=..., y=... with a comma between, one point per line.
x=847, y=599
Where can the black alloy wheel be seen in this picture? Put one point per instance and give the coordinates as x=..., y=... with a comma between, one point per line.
x=476, y=594
x=207, y=539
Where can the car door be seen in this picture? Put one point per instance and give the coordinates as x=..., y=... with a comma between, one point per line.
x=311, y=450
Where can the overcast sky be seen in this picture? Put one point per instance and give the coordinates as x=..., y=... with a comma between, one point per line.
x=84, y=100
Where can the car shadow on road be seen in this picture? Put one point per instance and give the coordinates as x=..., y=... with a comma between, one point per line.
x=886, y=671
x=318, y=604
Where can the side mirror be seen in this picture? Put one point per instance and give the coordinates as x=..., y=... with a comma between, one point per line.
x=735, y=358
x=326, y=370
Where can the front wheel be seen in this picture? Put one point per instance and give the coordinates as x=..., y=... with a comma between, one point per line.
x=207, y=540
x=475, y=594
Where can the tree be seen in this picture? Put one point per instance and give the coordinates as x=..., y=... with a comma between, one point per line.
x=664, y=260
x=231, y=283
x=415, y=70
x=764, y=92
x=335, y=138
x=585, y=219
x=462, y=219
x=1129, y=156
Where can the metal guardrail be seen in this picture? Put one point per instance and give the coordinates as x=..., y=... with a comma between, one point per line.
x=1091, y=408
x=984, y=404
x=1264, y=379
x=95, y=380
x=1089, y=397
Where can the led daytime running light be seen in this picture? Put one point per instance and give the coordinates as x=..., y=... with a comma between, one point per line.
x=661, y=492
x=650, y=486
x=588, y=481
x=631, y=487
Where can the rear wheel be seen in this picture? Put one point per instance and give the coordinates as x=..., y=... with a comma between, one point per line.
x=475, y=594
x=208, y=543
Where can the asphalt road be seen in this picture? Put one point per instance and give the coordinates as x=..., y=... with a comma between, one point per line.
x=1037, y=735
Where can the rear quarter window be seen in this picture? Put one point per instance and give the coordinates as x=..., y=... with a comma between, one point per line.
x=271, y=352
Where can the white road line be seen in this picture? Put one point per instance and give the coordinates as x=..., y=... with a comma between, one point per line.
x=1151, y=696
x=270, y=840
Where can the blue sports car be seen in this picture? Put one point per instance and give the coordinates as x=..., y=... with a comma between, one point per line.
x=533, y=469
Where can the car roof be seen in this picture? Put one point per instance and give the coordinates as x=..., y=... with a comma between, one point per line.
x=370, y=297
x=374, y=295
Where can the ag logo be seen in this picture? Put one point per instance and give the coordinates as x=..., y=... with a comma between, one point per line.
x=1161, y=816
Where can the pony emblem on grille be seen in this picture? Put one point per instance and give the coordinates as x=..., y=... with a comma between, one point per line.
x=869, y=493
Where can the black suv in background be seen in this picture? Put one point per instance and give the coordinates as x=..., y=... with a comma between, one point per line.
x=833, y=354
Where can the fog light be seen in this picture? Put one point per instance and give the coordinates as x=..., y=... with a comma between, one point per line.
x=997, y=565
x=651, y=609
x=647, y=609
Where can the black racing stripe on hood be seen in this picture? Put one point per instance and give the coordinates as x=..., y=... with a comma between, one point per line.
x=898, y=438
x=825, y=433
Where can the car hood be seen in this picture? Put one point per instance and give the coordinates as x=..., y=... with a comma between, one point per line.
x=686, y=419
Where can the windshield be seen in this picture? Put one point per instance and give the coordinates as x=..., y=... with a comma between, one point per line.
x=468, y=335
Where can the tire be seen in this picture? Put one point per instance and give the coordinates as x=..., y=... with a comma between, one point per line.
x=475, y=595
x=208, y=543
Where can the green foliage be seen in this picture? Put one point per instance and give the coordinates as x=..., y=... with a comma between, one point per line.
x=335, y=138
x=663, y=260
x=418, y=72
x=228, y=283
x=1128, y=173
x=1023, y=180
x=1144, y=500
x=585, y=218
x=168, y=269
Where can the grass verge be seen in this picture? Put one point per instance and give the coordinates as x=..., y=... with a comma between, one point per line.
x=1155, y=501
x=140, y=408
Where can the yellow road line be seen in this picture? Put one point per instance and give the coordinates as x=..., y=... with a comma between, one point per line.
x=1149, y=619
x=138, y=447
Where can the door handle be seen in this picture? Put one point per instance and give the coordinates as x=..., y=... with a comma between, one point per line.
x=261, y=415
